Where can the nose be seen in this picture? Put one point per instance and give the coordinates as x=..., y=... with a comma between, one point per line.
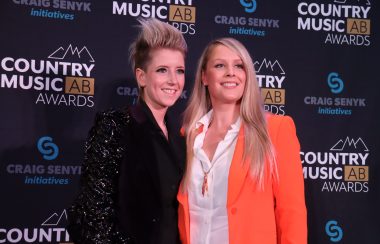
x=173, y=79
x=230, y=71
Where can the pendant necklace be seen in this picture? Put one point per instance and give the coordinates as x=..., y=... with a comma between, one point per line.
x=205, y=175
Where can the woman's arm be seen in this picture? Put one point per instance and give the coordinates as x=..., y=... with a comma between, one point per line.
x=92, y=217
x=290, y=208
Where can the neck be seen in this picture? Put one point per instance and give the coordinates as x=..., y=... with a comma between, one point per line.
x=225, y=115
x=158, y=114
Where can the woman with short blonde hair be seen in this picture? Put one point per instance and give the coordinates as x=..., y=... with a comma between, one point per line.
x=134, y=156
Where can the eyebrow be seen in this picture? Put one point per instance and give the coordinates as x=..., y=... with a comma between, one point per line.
x=221, y=59
x=166, y=66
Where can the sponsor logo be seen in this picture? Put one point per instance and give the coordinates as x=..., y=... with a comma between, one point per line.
x=334, y=231
x=335, y=106
x=344, y=168
x=42, y=173
x=63, y=79
x=55, y=9
x=335, y=83
x=340, y=22
x=246, y=24
x=133, y=92
x=271, y=77
x=179, y=13
x=52, y=230
x=47, y=148
x=249, y=6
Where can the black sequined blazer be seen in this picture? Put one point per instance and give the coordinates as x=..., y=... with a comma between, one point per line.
x=119, y=200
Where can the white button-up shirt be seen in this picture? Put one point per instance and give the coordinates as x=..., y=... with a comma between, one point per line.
x=208, y=214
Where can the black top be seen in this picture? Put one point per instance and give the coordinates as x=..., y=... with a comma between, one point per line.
x=130, y=180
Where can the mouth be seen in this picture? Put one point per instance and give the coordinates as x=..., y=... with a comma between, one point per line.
x=230, y=84
x=169, y=91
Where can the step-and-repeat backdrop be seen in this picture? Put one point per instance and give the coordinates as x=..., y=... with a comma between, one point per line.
x=61, y=61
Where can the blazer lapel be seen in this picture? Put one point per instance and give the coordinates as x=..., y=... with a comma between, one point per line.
x=238, y=170
x=177, y=145
x=143, y=134
x=184, y=212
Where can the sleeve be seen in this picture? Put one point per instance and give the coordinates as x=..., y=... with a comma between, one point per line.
x=92, y=216
x=290, y=208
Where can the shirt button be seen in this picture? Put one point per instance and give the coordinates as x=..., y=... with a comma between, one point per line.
x=233, y=210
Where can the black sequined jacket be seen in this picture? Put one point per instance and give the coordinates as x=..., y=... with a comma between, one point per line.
x=120, y=200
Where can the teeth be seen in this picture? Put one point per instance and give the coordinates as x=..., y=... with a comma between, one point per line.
x=229, y=84
x=169, y=91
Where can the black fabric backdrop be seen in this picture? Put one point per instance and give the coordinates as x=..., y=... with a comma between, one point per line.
x=62, y=61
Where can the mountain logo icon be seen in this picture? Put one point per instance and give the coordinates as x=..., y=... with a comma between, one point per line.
x=64, y=53
x=269, y=65
x=353, y=2
x=55, y=219
x=357, y=144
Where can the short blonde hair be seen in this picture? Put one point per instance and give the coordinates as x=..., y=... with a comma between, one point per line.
x=154, y=34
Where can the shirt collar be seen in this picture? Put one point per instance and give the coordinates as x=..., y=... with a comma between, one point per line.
x=235, y=127
x=206, y=119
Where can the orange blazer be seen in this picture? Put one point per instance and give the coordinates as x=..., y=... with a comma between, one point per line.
x=276, y=214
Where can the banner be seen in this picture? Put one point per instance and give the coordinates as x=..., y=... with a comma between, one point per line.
x=62, y=61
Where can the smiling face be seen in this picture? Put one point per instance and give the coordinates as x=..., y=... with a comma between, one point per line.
x=163, y=78
x=225, y=76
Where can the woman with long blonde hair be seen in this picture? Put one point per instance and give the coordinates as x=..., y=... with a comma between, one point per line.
x=243, y=182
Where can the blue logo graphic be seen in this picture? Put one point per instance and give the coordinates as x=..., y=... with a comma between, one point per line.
x=249, y=5
x=47, y=148
x=335, y=83
x=334, y=231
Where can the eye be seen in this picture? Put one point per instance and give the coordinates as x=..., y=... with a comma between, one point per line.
x=240, y=66
x=181, y=71
x=161, y=70
x=219, y=65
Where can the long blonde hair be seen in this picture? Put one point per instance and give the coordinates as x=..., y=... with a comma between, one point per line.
x=257, y=144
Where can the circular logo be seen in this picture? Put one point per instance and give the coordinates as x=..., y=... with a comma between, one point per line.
x=335, y=83
x=334, y=231
x=249, y=6
x=47, y=148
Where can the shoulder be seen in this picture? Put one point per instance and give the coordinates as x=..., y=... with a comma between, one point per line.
x=279, y=124
x=113, y=117
x=103, y=147
x=274, y=121
x=108, y=128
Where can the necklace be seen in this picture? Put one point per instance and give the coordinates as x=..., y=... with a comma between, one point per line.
x=205, y=175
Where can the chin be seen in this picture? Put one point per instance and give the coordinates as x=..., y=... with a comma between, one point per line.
x=168, y=103
x=231, y=99
x=173, y=100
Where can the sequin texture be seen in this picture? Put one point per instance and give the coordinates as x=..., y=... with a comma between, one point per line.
x=92, y=215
